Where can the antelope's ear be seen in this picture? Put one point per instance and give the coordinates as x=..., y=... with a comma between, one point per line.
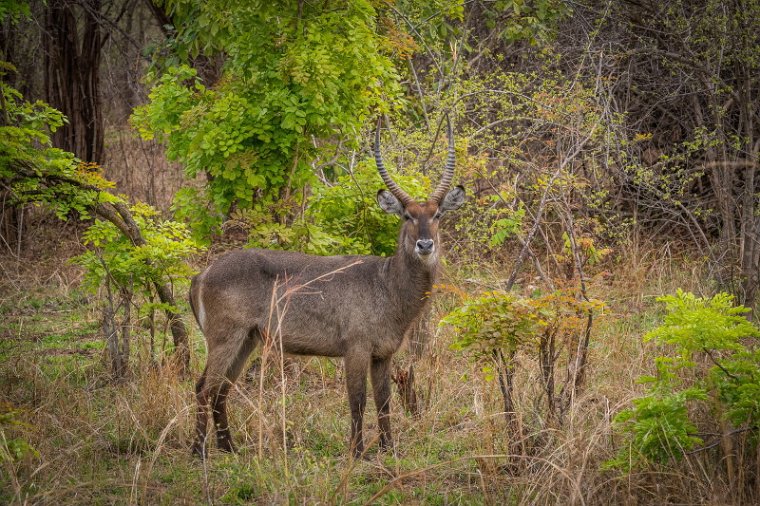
x=453, y=200
x=389, y=203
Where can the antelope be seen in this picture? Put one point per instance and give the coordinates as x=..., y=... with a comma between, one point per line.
x=358, y=307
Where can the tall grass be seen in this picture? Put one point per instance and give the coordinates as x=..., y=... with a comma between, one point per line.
x=95, y=441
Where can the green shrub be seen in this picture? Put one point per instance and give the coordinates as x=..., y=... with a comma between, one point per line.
x=348, y=212
x=113, y=257
x=660, y=427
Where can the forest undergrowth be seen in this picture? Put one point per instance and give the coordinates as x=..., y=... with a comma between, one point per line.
x=81, y=438
x=592, y=336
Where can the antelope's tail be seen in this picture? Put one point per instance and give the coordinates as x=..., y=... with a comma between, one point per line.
x=196, y=304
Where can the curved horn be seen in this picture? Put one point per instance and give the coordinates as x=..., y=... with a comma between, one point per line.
x=395, y=189
x=448, y=170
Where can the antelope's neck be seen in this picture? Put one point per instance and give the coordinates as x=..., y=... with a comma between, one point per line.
x=410, y=283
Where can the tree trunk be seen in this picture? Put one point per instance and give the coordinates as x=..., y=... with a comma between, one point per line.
x=750, y=221
x=72, y=60
x=112, y=340
x=404, y=380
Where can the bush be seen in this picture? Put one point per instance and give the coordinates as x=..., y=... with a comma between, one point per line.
x=348, y=212
x=660, y=426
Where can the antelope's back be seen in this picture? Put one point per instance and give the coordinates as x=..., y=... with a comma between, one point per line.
x=314, y=303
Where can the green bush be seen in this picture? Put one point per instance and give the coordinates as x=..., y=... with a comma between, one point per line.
x=348, y=212
x=299, y=80
x=660, y=426
x=113, y=257
x=496, y=321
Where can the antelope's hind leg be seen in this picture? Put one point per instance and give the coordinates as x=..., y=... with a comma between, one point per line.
x=223, y=367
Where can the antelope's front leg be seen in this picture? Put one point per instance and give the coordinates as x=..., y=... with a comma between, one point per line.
x=356, y=364
x=381, y=386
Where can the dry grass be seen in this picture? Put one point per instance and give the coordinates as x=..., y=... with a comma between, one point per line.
x=101, y=442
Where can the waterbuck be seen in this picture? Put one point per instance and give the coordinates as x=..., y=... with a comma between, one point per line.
x=356, y=307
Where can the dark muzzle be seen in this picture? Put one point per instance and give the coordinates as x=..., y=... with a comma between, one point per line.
x=424, y=246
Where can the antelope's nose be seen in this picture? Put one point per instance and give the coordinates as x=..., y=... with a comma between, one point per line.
x=425, y=246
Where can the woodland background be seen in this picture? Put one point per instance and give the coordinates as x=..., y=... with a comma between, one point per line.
x=591, y=339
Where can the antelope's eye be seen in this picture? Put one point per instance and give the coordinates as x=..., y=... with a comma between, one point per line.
x=437, y=215
x=407, y=216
